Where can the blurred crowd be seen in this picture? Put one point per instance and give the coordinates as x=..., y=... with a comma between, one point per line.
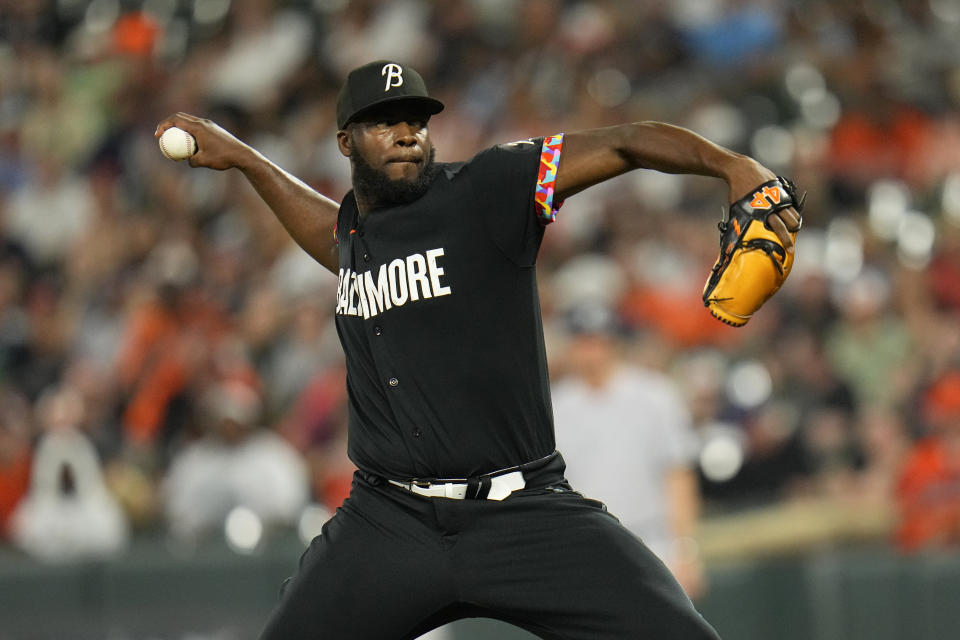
x=168, y=354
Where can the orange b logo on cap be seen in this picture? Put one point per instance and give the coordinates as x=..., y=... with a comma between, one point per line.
x=394, y=74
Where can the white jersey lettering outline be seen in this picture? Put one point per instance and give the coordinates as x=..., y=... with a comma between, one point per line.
x=417, y=276
x=378, y=295
x=412, y=279
x=397, y=274
x=436, y=272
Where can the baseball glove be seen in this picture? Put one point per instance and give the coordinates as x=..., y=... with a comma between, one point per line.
x=753, y=262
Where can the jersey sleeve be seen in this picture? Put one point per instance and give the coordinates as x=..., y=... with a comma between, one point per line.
x=514, y=183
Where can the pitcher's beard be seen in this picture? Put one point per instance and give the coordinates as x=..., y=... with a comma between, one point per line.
x=377, y=187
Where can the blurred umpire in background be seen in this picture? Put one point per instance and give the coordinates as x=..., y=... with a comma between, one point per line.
x=459, y=506
x=630, y=440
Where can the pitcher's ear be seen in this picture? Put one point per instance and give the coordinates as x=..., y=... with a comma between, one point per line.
x=344, y=142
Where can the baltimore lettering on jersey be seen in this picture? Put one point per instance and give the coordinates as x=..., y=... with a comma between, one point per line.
x=417, y=277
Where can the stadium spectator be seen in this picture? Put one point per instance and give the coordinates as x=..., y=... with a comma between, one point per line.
x=928, y=490
x=235, y=463
x=629, y=443
x=68, y=512
x=15, y=455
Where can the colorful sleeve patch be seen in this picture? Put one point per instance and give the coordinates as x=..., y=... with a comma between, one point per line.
x=547, y=178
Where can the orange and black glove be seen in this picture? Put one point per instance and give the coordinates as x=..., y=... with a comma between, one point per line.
x=753, y=262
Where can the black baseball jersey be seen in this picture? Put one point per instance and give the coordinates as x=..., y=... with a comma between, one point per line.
x=439, y=318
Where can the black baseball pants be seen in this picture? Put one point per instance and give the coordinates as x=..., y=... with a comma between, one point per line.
x=393, y=565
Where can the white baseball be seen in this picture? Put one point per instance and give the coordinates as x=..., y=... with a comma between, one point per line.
x=177, y=144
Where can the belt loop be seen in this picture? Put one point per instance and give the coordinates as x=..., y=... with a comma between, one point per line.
x=484, y=489
x=373, y=479
x=473, y=488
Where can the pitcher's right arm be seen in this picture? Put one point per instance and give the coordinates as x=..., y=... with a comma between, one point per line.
x=309, y=217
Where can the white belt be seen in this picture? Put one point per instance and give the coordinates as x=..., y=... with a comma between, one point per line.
x=500, y=487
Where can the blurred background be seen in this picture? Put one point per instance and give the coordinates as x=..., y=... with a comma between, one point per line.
x=172, y=402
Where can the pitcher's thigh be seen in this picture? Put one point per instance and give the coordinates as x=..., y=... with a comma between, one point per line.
x=577, y=574
x=361, y=580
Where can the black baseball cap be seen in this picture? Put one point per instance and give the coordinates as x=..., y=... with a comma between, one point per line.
x=380, y=82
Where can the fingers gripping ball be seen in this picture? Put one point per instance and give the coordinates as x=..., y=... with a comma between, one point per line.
x=177, y=144
x=753, y=262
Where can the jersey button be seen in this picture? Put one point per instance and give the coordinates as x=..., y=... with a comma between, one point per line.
x=366, y=257
x=393, y=382
x=377, y=330
x=416, y=432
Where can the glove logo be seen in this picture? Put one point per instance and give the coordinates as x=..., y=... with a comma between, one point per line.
x=765, y=198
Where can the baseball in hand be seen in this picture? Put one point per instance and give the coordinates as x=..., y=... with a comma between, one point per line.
x=177, y=144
